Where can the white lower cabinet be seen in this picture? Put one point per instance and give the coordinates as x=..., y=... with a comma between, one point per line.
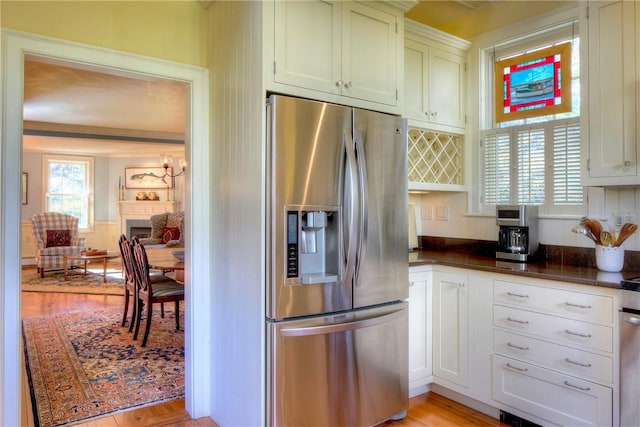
x=555, y=352
x=593, y=366
x=451, y=327
x=420, y=338
x=557, y=398
x=543, y=350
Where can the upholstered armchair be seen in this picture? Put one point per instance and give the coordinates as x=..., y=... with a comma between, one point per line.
x=55, y=235
x=167, y=229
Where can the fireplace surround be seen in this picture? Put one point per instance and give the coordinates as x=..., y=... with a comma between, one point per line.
x=135, y=214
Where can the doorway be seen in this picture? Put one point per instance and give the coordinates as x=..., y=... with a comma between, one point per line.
x=197, y=181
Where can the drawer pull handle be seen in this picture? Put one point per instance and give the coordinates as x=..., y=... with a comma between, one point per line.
x=568, y=384
x=509, y=365
x=570, y=304
x=517, y=346
x=578, y=334
x=523, y=322
x=513, y=294
x=584, y=365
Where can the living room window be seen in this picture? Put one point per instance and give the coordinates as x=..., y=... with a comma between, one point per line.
x=68, y=183
x=533, y=160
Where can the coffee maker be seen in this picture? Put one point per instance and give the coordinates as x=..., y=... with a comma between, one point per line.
x=518, y=232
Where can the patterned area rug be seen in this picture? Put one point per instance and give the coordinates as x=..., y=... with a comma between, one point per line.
x=84, y=364
x=77, y=282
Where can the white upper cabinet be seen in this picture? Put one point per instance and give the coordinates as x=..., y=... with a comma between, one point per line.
x=610, y=93
x=307, y=44
x=435, y=76
x=337, y=51
x=369, y=54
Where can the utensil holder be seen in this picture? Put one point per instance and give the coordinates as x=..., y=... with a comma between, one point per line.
x=609, y=258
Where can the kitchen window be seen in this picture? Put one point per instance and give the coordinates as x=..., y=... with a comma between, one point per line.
x=534, y=160
x=69, y=187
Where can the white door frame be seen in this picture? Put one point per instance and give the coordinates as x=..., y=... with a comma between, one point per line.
x=197, y=181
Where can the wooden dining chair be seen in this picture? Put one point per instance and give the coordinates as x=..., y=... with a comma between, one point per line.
x=129, y=280
x=148, y=293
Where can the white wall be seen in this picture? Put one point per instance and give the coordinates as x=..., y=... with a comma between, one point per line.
x=238, y=212
x=553, y=230
x=107, y=172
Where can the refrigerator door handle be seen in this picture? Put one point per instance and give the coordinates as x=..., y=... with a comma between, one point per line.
x=364, y=194
x=341, y=327
x=352, y=209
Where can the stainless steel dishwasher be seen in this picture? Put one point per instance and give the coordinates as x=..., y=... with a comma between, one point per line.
x=630, y=354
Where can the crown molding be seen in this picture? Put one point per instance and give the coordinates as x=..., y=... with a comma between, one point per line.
x=94, y=132
x=419, y=29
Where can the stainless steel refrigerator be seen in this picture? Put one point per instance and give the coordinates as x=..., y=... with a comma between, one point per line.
x=337, y=267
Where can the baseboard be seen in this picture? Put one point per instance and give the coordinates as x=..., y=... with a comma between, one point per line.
x=467, y=401
x=28, y=261
x=416, y=391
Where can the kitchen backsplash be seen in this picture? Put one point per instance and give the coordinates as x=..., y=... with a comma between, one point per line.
x=546, y=253
x=444, y=214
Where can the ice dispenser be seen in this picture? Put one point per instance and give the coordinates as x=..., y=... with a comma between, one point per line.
x=312, y=246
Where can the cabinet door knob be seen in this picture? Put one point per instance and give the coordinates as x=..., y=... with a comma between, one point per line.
x=584, y=365
x=577, y=334
x=509, y=365
x=522, y=322
x=348, y=85
x=570, y=304
x=568, y=384
x=339, y=83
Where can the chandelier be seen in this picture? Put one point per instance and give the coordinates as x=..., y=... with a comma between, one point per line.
x=166, y=160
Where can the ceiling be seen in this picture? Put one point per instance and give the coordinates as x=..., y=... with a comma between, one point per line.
x=470, y=18
x=73, y=108
x=79, y=109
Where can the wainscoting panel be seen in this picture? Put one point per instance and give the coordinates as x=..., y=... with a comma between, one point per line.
x=105, y=235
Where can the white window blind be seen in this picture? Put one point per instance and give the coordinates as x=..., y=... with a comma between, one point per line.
x=530, y=166
x=497, y=171
x=520, y=160
x=567, y=189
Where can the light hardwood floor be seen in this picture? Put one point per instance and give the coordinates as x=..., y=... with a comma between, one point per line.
x=427, y=410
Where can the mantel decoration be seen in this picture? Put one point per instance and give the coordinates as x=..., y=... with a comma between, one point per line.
x=609, y=250
x=534, y=84
x=148, y=178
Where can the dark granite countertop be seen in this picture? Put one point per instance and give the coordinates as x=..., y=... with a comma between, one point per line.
x=571, y=270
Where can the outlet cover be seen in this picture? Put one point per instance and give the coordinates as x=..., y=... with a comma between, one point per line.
x=427, y=213
x=442, y=213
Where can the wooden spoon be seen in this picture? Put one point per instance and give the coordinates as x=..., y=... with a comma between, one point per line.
x=606, y=238
x=595, y=227
x=627, y=230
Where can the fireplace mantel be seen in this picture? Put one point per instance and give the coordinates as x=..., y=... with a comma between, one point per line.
x=142, y=209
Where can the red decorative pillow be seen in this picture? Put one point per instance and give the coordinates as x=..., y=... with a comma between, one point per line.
x=58, y=238
x=170, y=233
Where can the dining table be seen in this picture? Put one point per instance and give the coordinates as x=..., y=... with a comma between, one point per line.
x=163, y=259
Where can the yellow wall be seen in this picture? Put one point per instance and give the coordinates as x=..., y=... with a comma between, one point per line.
x=171, y=30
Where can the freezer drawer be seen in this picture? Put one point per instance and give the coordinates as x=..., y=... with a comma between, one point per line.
x=341, y=370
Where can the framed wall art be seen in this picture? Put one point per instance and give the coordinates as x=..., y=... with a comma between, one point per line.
x=25, y=188
x=150, y=177
x=534, y=84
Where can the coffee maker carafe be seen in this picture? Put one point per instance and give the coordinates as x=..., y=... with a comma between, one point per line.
x=518, y=232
